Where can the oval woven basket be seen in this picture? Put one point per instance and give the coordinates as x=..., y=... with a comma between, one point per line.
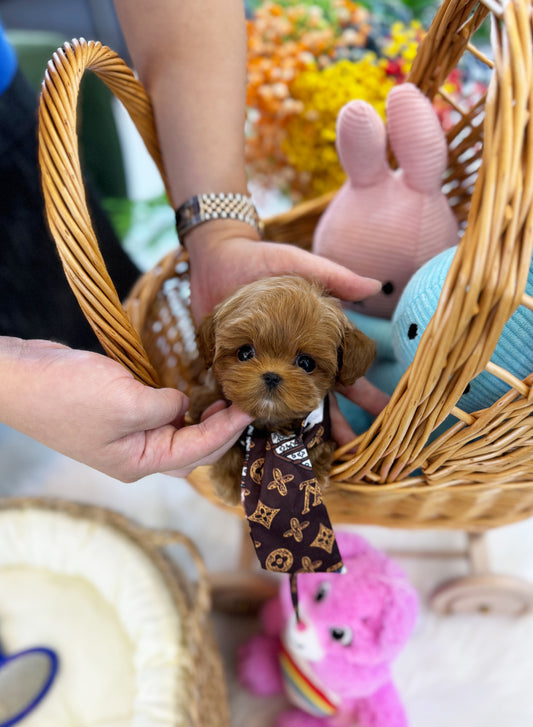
x=163, y=616
x=479, y=473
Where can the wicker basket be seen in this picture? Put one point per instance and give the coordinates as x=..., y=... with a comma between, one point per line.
x=189, y=688
x=479, y=473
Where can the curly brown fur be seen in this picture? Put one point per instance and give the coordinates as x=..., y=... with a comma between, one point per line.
x=276, y=348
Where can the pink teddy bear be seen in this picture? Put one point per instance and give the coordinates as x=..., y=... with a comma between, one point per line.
x=386, y=223
x=335, y=663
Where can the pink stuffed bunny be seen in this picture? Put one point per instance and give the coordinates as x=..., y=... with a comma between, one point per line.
x=335, y=664
x=382, y=223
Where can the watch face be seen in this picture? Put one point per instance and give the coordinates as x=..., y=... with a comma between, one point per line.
x=25, y=679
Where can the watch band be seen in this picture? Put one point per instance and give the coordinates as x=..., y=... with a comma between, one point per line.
x=204, y=207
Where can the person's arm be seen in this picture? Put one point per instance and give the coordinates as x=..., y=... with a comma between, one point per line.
x=191, y=57
x=90, y=408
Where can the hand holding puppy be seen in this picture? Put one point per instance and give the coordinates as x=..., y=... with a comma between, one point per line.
x=90, y=408
x=223, y=259
x=226, y=254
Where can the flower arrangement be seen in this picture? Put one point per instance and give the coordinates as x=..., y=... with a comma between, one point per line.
x=306, y=59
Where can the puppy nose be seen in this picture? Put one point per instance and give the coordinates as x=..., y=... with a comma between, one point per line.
x=271, y=379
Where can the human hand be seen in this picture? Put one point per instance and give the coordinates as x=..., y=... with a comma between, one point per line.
x=90, y=408
x=226, y=254
x=363, y=393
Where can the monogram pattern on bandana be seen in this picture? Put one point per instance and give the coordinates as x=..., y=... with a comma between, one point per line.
x=280, y=560
x=264, y=515
x=256, y=470
x=296, y=529
x=280, y=481
x=288, y=521
x=325, y=539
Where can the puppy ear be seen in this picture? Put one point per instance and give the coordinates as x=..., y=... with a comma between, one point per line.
x=205, y=338
x=356, y=353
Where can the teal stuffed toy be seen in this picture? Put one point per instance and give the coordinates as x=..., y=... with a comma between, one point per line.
x=514, y=351
x=384, y=373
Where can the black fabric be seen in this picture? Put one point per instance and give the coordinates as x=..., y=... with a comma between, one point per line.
x=35, y=298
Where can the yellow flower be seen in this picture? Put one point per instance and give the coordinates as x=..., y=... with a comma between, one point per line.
x=309, y=143
x=297, y=84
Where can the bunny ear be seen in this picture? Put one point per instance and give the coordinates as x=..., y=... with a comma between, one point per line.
x=416, y=138
x=361, y=143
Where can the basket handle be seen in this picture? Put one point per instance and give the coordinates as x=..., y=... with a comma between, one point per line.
x=64, y=193
x=163, y=538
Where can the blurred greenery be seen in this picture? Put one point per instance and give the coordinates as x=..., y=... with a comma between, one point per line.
x=419, y=7
x=145, y=227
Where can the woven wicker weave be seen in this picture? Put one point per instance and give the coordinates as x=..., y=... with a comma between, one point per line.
x=205, y=697
x=479, y=473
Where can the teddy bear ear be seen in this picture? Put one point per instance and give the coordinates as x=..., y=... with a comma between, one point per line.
x=205, y=339
x=361, y=143
x=399, y=613
x=352, y=545
x=416, y=138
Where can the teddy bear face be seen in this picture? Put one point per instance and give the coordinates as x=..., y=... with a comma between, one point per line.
x=352, y=625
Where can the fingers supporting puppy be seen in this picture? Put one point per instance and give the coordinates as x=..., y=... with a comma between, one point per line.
x=204, y=443
x=341, y=431
x=366, y=395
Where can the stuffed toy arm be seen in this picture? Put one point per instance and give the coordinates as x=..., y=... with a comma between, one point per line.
x=258, y=659
x=258, y=666
x=383, y=709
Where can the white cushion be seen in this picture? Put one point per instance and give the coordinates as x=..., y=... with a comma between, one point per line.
x=85, y=590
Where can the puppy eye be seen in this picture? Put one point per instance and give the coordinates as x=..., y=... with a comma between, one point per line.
x=388, y=288
x=342, y=634
x=322, y=592
x=306, y=363
x=245, y=352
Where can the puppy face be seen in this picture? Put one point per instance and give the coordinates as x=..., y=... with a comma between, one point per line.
x=279, y=345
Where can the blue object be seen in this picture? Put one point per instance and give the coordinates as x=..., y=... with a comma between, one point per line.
x=513, y=352
x=384, y=373
x=25, y=679
x=8, y=61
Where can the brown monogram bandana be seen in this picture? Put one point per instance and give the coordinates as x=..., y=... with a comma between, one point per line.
x=289, y=523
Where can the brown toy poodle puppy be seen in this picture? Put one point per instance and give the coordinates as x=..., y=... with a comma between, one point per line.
x=275, y=349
